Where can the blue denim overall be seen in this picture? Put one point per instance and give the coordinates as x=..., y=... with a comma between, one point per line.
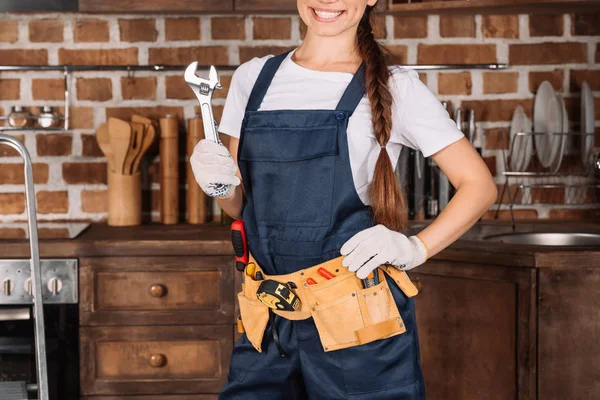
x=301, y=207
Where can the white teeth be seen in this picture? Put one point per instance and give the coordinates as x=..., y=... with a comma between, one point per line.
x=327, y=15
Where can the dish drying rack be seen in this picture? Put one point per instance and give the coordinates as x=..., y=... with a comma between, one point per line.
x=566, y=181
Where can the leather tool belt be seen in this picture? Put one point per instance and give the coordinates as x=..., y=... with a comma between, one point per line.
x=345, y=313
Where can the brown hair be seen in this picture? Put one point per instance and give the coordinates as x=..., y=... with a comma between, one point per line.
x=387, y=199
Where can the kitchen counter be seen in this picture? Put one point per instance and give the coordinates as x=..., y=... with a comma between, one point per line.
x=214, y=239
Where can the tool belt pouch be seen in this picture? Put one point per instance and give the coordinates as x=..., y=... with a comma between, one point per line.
x=346, y=314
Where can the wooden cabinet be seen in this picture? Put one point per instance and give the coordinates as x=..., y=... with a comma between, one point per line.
x=154, y=359
x=155, y=326
x=155, y=6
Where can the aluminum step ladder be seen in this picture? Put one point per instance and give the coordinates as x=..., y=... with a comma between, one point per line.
x=17, y=389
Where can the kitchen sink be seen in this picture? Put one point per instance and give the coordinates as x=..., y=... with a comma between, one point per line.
x=547, y=238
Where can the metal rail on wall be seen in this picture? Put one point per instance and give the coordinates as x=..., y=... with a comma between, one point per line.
x=68, y=69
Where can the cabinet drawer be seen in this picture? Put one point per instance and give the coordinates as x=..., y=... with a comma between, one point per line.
x=156, y=360
x=156, y=290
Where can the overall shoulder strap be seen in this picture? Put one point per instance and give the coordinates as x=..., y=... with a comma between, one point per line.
x=354, y=92
x=264, y=80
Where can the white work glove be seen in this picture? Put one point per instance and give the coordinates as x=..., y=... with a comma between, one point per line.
x=212, y=164
x=378, y=245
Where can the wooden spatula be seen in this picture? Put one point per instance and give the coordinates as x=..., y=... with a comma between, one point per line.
x=137, y=135
x=104, y=144
x=149, y=136
x=119, y=133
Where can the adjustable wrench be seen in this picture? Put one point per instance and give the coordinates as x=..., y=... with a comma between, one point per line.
x=204, y=89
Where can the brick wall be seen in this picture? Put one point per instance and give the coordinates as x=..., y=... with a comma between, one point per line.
x=70, y=170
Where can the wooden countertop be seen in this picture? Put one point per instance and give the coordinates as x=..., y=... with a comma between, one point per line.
x=214, y=239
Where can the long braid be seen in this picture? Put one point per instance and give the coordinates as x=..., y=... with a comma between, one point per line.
x=387, y=200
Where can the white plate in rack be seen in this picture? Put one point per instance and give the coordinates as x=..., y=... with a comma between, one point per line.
x=559, y=148
x=547, y=118
x=587, y=123
x=520, y=153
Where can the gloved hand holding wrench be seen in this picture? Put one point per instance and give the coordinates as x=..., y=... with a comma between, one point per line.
x=212, y=165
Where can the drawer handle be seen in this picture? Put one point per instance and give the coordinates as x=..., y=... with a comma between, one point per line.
x=157, y=360
x=418, y=284
x=158, y=290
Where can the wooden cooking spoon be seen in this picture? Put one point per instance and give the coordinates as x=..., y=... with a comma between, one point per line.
x=119, y=133
x=149, y=136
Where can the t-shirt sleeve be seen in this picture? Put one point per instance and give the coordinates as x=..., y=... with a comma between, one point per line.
x=242, y=82
x=419, y=118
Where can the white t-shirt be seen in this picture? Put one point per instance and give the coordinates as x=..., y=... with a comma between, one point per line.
x=419, y=120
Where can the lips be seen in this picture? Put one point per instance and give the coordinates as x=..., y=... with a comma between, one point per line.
x=326, y=15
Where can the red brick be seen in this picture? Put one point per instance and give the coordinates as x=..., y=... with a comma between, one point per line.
x=497, y=110
x=12, y=233
x=454, y=83
x=139, y=88
x=153, y=113
x=398, y=54
x=519, y=214
x=378, y=25
x=500, y=26
x=127, y=56
x=177, y=88
x=48, y=89
x=228, y=28
x=585, y=24
x=52, y=202
x=490, y=162
x=500, y=82
x=94, y=201
x=248, y=53
x=138, y=30
x=456, y=54
x=13, y=174
x=409, y=27
x=94, y=89
x=54, y=144
x=592, y=77
x=217, y=55
x=79, y=117
x=574, y=214
x=9, y=31
x=7, y=151
x=24, y=57
x=10, y=89
x=89, y=30
x=547, y=195
x=546, y=25
x=497, y=138
x=79, y=173
x=12, y=203
x=272, y=28
x=555, y=77
x=457, y=26
x=547, y=53
x=182, y=29
x=89, y=146
x=46, y=30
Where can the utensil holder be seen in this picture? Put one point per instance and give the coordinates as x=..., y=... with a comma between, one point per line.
x=124, y=199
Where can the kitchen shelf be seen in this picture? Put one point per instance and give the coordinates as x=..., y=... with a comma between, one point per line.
x=490, y=6
x=31, y=128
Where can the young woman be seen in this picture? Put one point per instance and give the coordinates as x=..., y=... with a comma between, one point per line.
x=316, y=134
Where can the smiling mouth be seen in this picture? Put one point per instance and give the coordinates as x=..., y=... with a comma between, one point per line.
x=326, y=15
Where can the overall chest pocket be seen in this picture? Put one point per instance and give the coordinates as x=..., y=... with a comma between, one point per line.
x=290, y=174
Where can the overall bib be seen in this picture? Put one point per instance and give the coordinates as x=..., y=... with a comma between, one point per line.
x=301, y=207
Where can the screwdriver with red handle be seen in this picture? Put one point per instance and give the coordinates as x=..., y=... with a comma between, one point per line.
x=240, y=245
